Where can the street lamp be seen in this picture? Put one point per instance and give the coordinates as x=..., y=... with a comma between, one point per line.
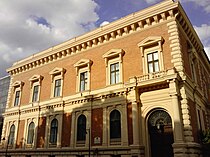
x=88, y=132
x=4, y=139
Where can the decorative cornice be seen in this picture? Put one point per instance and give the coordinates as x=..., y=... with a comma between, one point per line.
x=122, y=27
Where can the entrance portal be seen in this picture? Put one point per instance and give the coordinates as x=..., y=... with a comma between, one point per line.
x=161, y=134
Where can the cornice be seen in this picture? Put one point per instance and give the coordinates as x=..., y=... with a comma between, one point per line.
x=190, y=32
x=122, y=27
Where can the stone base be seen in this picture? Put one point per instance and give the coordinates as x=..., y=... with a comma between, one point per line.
x=187, y=150
x=137, y=151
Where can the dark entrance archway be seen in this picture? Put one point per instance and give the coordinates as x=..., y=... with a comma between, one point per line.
x=161, y=134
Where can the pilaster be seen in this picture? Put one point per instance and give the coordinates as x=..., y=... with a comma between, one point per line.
x=175, y=46
x=105, y=135
x=178, y=124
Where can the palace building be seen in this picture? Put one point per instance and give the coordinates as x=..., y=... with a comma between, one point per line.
x=137, y=87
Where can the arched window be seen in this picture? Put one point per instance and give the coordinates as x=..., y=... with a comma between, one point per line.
x=54, y=131
x=11, y=135
x=81, y=128
x=115, y=125
x=30, y=138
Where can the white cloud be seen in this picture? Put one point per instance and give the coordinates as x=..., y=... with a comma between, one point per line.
x=203, y=3
x=152, y=1
x=207, y=50
x=31, y=26
x=204, y=34
x=104, y=23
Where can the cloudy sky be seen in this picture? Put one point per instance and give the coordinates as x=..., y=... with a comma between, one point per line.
x=27, y=27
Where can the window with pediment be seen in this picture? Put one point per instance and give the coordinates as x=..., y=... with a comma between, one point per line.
x=35, y=83
x=57, y=76
x=151, y=52
x=114, y=70
x=17, y=89
x=83, y=68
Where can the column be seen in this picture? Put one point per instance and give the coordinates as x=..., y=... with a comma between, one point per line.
x=124, y=125
x=178, y=126
x=72, y=140
x=104, y=143
x=135, y=123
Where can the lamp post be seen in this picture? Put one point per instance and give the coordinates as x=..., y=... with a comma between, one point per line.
x=4, y=139
x=88, y=132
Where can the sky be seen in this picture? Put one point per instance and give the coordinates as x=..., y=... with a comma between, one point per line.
x=28, y=27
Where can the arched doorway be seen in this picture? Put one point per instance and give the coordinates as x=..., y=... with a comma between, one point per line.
x=161, y=134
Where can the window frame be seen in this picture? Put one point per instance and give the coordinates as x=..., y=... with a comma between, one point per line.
x=153, y=61
x=11, y=138
x=114, y=56
x=83, y=82
x=193, y=62
x=83, y=66
x=57, y=88
x=53, y=139
x=17, y=98
x=116, y=73
x=56, y=74
x=111, y=126
x=149, y=45
x=29, y=136
x=83, y=132
x=35, y=95
x=35, y=80
x=17, y=88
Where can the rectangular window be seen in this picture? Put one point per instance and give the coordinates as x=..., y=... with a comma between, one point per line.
x=114, y=73
x=17, y=98
x=83, y=81
x=35, y=93
x=153, y=62
x=57, y=88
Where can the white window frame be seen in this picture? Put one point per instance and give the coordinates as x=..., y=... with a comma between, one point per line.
x=87, y=114
x=10, y=123
x=111, y=57
x=83, y=65
x=17, y=86
x=124, y=126
x=200, y=119
x=149, y=45
x=56, y=74
x=35, y=120
x=59, y=117
x=35, y=80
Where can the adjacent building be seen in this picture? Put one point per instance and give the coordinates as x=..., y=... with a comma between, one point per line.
x=4, y=87
x=138, y=86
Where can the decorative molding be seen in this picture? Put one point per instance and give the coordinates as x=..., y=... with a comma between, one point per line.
x=125, y=26
x=150, y=41
x=35, y=78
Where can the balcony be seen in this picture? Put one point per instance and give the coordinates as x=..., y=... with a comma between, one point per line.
x=152, y=78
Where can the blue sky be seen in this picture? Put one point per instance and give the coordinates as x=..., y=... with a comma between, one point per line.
x=28, y=27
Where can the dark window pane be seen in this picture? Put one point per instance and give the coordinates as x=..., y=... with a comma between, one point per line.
x=83, y=81
x=53, y=131
x=81, y=128
x=17, y=98
x=115, y=124
x=30, y=138
x=35, y=93
x=57, y=89
x=114, y=73
x=153, y=62
x=11, y=135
